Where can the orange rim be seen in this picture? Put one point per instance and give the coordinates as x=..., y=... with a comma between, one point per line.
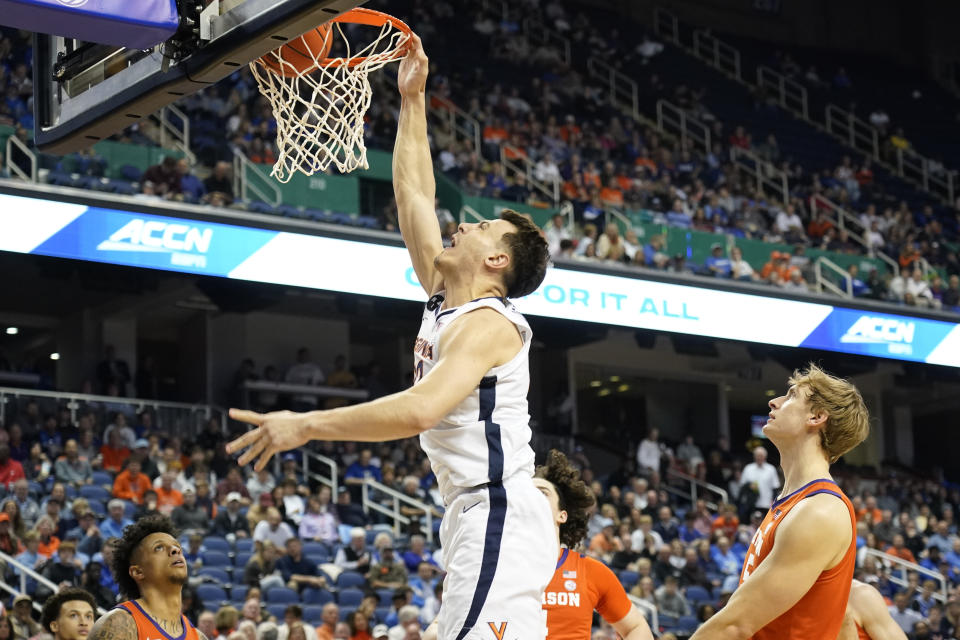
x=372, y=18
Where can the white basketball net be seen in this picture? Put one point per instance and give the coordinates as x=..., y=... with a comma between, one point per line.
x=320, y=111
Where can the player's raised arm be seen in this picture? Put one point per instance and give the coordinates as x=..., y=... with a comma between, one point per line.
x=812, y=539
x=475, y=343
x=413, y=183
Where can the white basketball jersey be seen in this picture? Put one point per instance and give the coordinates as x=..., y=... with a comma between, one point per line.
x=486, y=438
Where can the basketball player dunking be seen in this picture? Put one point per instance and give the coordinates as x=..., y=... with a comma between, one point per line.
x=148, y=565
x=796, y=577
x=868, y=617
x=469, y=400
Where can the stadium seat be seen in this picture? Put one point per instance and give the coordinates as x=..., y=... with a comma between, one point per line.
x=316, y=596
x=211, y=594
x=697, y=594
x=215, y=574
x=349, y=579
x=241, y=559
x=313, y=613
x=243, y=545
x=381, y=613
x=277, y=610
x=386, y=597
x=311, y=547
x=629, y=578
x=94, y=492
x=102, y=478
x=350, y=598
x=36, y=489
x=239, y=592
x=70, y=491
x=97, y=507
x=687, y=623
x=667, y=622
x=216, y=543
x=216, y=559
x=129, y=510
x=282, y=595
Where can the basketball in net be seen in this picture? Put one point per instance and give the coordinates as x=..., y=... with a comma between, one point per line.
x=319, y=91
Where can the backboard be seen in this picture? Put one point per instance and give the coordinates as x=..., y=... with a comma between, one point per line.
x=85, y=92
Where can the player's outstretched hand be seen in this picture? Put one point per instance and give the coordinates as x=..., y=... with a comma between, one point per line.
x=412, y=76
x=276, y=432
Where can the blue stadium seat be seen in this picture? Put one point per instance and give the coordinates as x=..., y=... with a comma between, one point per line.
x=386, y=597
x=97, y=507
x=316, y=596
x=282, y=595
x=311, y=547
x=629, y=578
x=697, y=594
x=277, y=610
x=241, y=559
x=667, y=622
x=350, y=598
x=129, y=510
x=216, y=543
x=216, y=559
x=313, y=613
x=131, y=173
x=94, y=492
x=687, y=623
x=102, y=478
x=36, y=489
x=381, y=613
x=239, y=592
x=243, y=545
x=349, y=579
x=70, y=491
x=216, y=574
x=211, y=594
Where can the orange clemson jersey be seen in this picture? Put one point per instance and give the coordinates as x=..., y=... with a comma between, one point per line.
x=579, y=586
x=819, y=613
x=147, y=629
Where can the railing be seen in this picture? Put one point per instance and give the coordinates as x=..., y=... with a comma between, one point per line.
x=666, y=25
x=242, y=185
x=768, y=177
x=465, y=127
x=673, y=119
x=824, y=282
x=331, y=466
x=649, y=608
x=905, y=565
x=171, y=134
x=566, y=210
x=696, y=486
x=854, y=131
x=846, y=221
x=317, y=391
x=615, y=215
x=28, y=572
x=468, y=214
x=522, y=164
x=791, y=94
x=538, y=32
x=936, y=181
x=15, y=169
x=717, y=54
x=175, y=417
x=370, y=503
x=623, y=90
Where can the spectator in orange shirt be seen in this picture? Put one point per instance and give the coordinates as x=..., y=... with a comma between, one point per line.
x=819, y=226
x=49, y=543
x=897, y=549
x=602, y=543
x=610, y=195
x=727, y=521
x=114, y=452
x=168, y=498
x=870, y=511
x=131, y=483
x=495, y=133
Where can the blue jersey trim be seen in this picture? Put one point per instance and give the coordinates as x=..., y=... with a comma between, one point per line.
x=812, y=482
x=488, y=401
x=563, y=557
x=491, y=554
x=183, y=621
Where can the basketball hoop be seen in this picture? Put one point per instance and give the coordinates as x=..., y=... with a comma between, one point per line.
x=319, y=101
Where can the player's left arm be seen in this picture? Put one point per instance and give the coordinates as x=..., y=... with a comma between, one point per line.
x=472, y=345
x=812, y=539
x=633, y=626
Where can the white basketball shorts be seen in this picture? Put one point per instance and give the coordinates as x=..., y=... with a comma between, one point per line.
x=500, y=551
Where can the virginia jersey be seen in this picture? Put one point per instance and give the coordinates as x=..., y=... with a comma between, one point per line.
x=819, y=613
x=486, y=438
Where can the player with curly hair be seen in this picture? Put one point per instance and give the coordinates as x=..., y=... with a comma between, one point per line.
x=150, y=569
x=69, y=614
x=580, y=584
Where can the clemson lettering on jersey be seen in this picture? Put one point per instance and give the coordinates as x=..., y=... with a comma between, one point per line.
x=561, y=599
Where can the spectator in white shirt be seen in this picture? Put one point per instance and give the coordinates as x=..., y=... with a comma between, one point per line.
x=762, y=478
x=874, y=239
x=902, y=614
x=555, y=232
x=898, y=285
x=919, y=288
x=740, y=269
x=546, y=170
x=273, y=528
x=789, y=222
x=649, y=452
x=307, y=373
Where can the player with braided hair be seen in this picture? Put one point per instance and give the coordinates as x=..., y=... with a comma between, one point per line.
x=149, y=566
x=580, y=584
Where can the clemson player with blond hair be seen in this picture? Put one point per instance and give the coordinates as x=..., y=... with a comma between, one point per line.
x=796, y=577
